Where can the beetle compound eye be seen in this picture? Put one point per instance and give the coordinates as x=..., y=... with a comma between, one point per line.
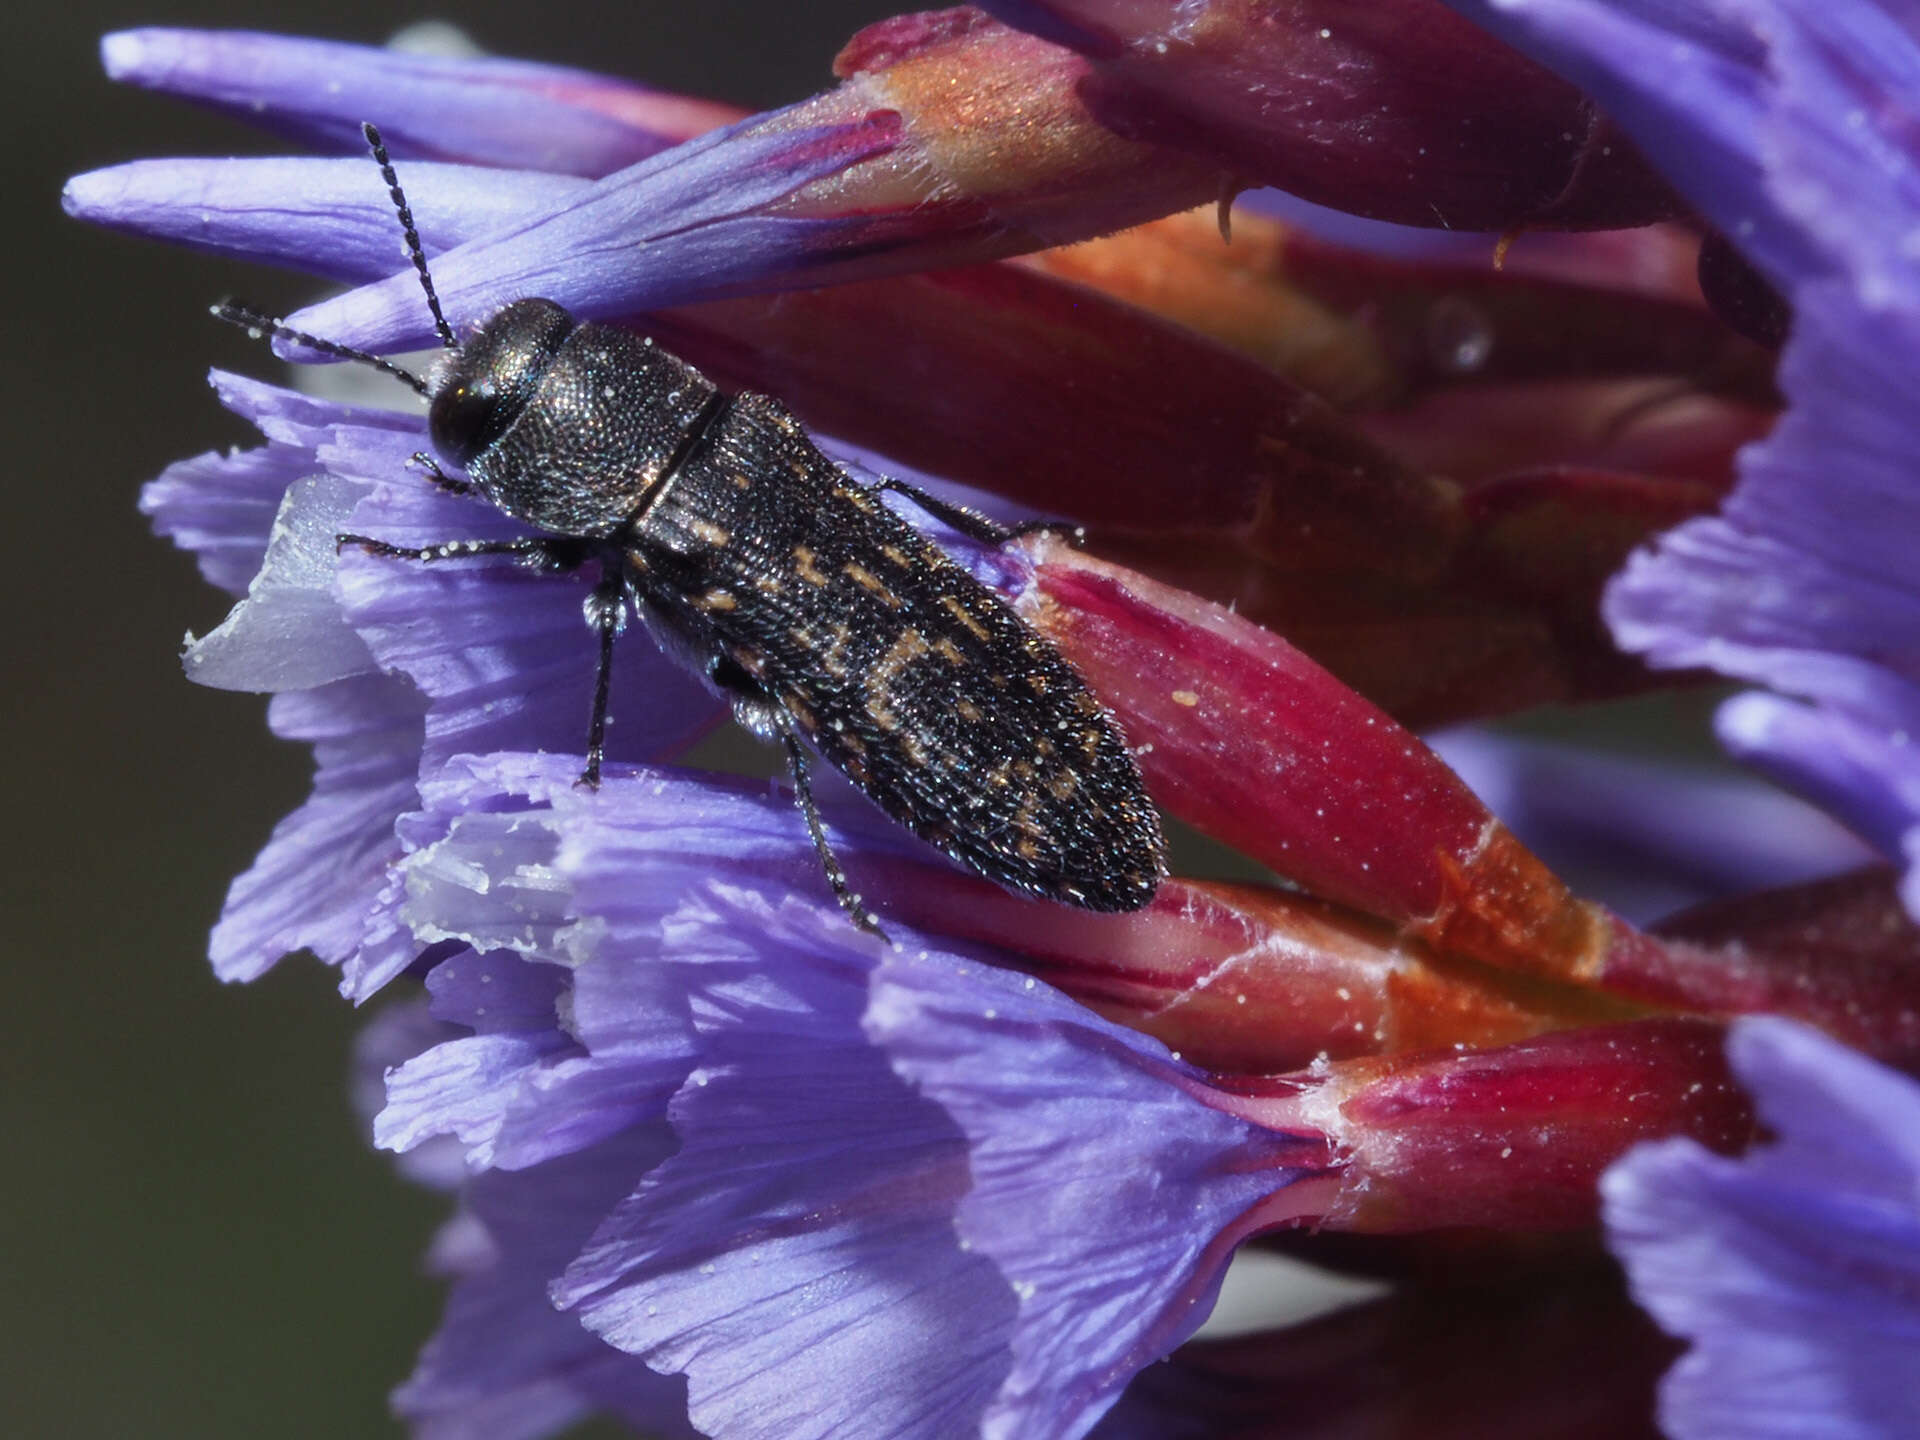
x=494, y=376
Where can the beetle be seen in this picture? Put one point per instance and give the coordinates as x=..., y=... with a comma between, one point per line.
x=821, y=616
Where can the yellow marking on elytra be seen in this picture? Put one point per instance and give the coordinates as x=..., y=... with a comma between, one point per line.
x=867, y=580
x=960, y=613
x=715, y=601
x=768, y=583
x=834, y=658
x=1062, y=786
x=967, y=710
x=742, y=479
x=1038, y=682
x=803, y=566
x=907, y=647
x=1090, y=742
x=948, y=651
x=801, y=636
x=711, y=533
x=897, y=556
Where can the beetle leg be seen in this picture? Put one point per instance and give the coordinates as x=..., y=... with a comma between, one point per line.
x=803, y=793
x=606, y=609
x=972, y=523
x=430, y=467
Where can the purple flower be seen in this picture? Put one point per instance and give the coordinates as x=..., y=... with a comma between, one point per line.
x=1795, y=1271
x=725, y=1162
x=508, y=114
x=1791, y=127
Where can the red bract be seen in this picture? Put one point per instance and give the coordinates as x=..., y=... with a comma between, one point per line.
x=1397, y=109
x=1368, y=330
x=1242, y=978
x=1513, y=1136
x=1245, y=738
x=999, y=151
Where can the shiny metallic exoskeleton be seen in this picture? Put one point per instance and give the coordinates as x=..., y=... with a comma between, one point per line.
x=824, y=617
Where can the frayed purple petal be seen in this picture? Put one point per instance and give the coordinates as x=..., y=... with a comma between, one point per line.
x=802, y=1235
x=395, y=1035
x=288, y=633
x=1106, y=1190
x=315, y=883
x=1814, y=550
x=1861, y=771
x=461, y=1088
x=1806, y=583
x=509, y=113
x=695, y=223
x=496, y=994
x=221, y=508
x=1842, y=137
x=581, y=1032
x=1689, y=83
x=504, y=1364
x=330, y=217
x=1646, y=837
x=464, y=1085
x=294, y=417
x=1795, y=1270
x=502, y=651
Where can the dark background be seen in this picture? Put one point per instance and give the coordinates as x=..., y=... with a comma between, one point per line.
x=195, y=1237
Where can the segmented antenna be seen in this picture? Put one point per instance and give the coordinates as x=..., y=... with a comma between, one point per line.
x=248, y=318
x=419, y=256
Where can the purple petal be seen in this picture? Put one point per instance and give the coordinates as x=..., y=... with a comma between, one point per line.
x=1647, y=837
x=1105, y=1188
x=1795, y=1271
x=315, y=885
x=504, y=1363
x=288, y=633
x=222, y=507
x=579, y=1030
x=1864, y=772
x=394, y=1035
x=501, y=651
x=1806, y=582
x=508, y=113
x=329, y=217
x=464, y=1085
x=1842, y=138
x=696, y=223
x=1814, y=550
x=796, y=1258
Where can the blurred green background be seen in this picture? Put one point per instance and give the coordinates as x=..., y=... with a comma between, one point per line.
x=195, y=1237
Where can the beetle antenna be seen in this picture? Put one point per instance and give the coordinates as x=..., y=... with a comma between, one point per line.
x=262, y=326
x=414, y=250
